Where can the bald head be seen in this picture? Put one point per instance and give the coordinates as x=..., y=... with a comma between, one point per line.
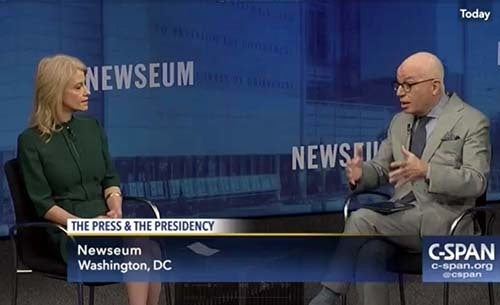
x=424, y=65
x=420, y=83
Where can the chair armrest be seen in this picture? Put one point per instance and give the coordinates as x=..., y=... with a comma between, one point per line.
x=354, y=195
x=145, y=202
x=36, y=225
x=40, y=224
x=488, y=213
x=47, y=224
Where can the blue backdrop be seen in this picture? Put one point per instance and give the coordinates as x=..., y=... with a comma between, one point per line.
x=204, y=102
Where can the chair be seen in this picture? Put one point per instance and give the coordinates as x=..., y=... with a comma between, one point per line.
x=405, y=262
x=29, y=239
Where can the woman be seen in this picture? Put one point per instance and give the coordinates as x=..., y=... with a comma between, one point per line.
x=65, y=160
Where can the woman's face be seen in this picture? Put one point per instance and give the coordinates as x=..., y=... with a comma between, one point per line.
x=76, y=94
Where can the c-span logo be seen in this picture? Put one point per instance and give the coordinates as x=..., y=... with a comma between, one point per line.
x=460, y=259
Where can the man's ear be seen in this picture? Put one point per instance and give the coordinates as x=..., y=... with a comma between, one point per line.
x=436, y=88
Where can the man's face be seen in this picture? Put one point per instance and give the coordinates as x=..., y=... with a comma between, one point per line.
x=422, y=93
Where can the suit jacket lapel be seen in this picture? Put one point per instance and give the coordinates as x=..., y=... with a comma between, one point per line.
x=406, y=124
x=445, y=123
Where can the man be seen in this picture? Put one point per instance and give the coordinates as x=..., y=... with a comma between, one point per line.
x=437, y=156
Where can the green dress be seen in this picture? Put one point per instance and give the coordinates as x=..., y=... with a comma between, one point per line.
x=70, y=171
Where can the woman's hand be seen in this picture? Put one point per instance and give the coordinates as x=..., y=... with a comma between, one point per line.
x=115, y=213
x=113, y=198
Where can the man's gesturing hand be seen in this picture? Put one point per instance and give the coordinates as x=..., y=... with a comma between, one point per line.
x=412, y=168
x=354, y=166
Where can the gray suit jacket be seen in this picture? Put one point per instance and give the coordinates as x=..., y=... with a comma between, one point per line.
x=458, y=153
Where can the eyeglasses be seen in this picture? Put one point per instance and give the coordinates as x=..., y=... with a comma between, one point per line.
x=407, y=86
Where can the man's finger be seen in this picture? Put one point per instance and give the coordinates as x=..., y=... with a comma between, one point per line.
x=406, y=153
x=397, y=171
x=395, y=174
x=358, y=152
x=397, y=164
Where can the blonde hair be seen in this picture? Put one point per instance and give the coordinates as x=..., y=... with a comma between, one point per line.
x=51, y=79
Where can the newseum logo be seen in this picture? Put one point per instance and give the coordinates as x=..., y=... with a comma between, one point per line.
x=327, y=156
x=140, y=76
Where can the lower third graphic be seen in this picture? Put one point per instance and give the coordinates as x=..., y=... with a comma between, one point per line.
x=460, y=259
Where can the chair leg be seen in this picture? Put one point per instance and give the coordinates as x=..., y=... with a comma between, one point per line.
x=491, y=294
x=79, y=292
x=401, y=289
x=343, y=298
x=14, y=287
x=168, y=294
x=15, y=265
x=91, y=295
x=446, y=291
